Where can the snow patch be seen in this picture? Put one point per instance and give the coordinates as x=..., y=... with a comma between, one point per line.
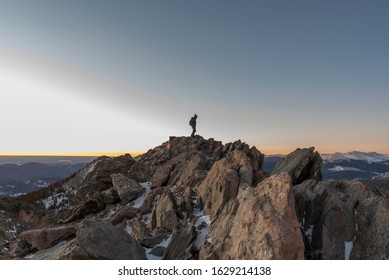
x=165, y=243
x=308, y=232
x=17, y=194
x=139, y=201
x=150, y=256
x=341, y=168
x=91, y=167
x=55, y=201
x=348, y=247
x=128, y=227
x=146, y=218
x=205, y=221
x=13, y=231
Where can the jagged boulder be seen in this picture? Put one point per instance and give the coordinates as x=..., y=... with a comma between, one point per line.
x=120, y=164
x=220, y=186
x=160, y=235
x=162, y=175
x=139, y=229
x=236, y=170
x=151, y=198
x=343, y=220
x=218, y=239
x=101, y=240
x=85, y=208
x=127, y=189
x=67, y=251
x=302, y=164
x=123, y=213
x=165, y=214
x=110, y=196
x=181, y=243
x=39, y=239
x=260, y=223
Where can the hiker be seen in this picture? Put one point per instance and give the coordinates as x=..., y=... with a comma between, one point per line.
x=192, y=123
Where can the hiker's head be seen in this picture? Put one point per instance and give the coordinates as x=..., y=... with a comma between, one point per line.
x=195, y=116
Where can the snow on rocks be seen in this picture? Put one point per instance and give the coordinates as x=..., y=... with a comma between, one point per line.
x=348, y=247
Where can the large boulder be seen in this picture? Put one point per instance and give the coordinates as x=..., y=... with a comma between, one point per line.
x=127, y=189
x=85, y=208
x=66, y=251
x=120, y=164
x=110, y=196
x=165, y=213
x=150, y=200
x=123, y=213
x=159, y=236
x=302, y=164
x=261, y=223
x=343, y=220
x=101, y=240
x=39, y=239
x=181, y=243
x=237, y=169
x=220, y=186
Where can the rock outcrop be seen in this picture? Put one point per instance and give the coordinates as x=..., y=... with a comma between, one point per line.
x=127, y=189
x=192, y=198
x=343, y=219
x=260, y=223
x=301, y=164
x=40, y=239
x=103, y=241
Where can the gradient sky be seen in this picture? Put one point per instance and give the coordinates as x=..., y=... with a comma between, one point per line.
x=112, y=76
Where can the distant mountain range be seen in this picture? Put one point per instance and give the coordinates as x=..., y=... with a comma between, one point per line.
x=370, y=167
x=19, y=175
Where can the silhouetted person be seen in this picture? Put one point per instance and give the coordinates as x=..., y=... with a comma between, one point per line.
x=192, y=123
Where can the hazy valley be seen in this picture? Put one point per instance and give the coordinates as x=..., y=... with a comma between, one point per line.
x=23, y=174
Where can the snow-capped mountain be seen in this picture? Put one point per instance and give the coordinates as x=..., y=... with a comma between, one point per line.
x=356, y=155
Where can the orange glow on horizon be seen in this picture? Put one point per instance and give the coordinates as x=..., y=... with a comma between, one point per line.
x=72, y=154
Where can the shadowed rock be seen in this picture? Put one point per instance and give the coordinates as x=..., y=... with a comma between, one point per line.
x=103, y=241
x=302, y=164
x=339, y=214
x=127, y=189
x=180, y=245
x=40, y=239
x=121, y=164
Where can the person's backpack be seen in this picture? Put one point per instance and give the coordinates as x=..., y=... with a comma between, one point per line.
x=191, y=122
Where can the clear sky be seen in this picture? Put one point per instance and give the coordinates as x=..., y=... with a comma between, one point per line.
x=113, y=76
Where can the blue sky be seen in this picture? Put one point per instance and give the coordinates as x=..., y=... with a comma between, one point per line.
x=87, y=76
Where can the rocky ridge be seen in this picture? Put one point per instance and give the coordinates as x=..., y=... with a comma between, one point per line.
x=193, y=198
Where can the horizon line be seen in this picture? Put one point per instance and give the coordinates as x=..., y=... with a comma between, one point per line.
x=134, y=154
x=68, y=154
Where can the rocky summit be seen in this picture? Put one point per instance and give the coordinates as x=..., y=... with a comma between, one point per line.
x=192, y=198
